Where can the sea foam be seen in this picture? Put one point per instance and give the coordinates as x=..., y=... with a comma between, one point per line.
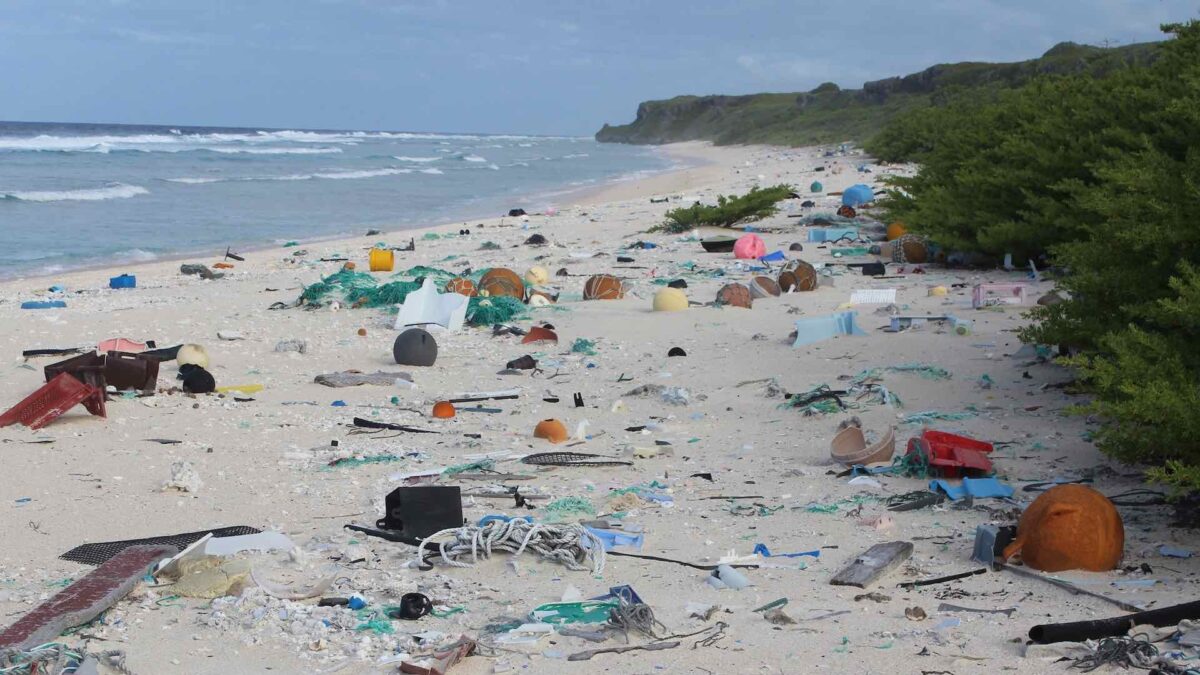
x=117, y=191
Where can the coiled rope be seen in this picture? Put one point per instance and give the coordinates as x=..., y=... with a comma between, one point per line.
x=570, y=545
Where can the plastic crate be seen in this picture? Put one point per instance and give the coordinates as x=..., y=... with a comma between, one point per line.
x=950, y=455
x=52, y=400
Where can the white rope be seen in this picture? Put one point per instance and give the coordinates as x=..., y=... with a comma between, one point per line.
x=571, y=545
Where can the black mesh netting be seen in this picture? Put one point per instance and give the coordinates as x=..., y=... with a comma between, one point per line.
x=100, y=552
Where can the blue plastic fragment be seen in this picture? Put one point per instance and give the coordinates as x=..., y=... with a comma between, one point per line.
x=1174, y=552
x=610, y=539
x=761, y=549
x=978, y=488
x=43, y=304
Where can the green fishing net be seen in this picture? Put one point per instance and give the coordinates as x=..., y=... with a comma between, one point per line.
x=482, y=465
x=932, y=415
x=359, y=289
x=435, y=273
x=349, y=462
x=584, y=346
x=827, y=218
x=491, y=311
x=567, y=508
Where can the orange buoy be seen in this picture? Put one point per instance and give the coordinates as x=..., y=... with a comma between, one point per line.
x=349, y=266
x=1069, y=527
x=500, y=281
x=896, y=230
x=552, y=430
x=735, y=295
x=462, y=286
x=443, y=410
x=540, y=334
x=603, y=287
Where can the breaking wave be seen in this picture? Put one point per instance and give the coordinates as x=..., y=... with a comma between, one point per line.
x=117, y=191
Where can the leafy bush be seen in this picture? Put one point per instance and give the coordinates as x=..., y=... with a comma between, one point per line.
x=756, y=204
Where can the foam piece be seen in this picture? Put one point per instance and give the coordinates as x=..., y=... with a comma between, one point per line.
x=873, y=296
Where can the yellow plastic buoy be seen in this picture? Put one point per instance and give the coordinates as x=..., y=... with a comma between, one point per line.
x=382, y=260
x=192, y=354
x=670, y=300
x=537, y=276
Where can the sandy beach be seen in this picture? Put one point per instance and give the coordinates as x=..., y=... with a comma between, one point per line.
x=265, y=461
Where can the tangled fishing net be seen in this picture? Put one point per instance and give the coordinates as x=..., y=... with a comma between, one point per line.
x=491, y=311
x=571, y=545
x=359, y=289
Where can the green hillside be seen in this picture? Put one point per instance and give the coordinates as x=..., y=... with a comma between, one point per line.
x=830, y=114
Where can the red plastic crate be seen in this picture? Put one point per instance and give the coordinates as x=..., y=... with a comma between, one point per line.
x=950, y=455
x=52, y=400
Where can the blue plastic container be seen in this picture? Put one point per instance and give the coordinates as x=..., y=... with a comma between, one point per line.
x=123, y=281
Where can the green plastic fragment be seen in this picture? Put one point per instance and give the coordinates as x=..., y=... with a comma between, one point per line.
x=583, y=611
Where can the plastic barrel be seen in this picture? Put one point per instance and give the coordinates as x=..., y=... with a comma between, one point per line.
x=382, y=260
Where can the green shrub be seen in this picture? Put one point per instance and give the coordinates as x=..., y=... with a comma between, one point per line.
x=1103, y=177
x=756, y=204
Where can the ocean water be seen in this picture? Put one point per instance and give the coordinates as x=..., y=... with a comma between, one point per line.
x=74, y=195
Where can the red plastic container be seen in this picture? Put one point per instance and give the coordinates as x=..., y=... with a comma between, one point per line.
x=52, y=400
x=950, y=455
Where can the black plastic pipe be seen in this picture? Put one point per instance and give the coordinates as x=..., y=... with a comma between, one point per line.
x=1094, y=630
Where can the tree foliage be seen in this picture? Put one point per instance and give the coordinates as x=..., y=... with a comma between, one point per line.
x=756, y=204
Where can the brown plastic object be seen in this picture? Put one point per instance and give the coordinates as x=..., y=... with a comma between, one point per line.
x=1069, y=527
x=87, y=368
x=53, y=399
x=603, y=287
x=551, y=430
x=798, y=275
x=462, y=287
x=540, y=334
x=850, y=447
x=122, y=370
x=914, y=249
x=762, y=287
x=501, y=281
x=131, y=371
x=735, y=295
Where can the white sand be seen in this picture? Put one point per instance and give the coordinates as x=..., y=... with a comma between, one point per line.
x=101, y=480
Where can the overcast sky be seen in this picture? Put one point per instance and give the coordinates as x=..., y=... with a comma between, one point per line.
x=553, y=66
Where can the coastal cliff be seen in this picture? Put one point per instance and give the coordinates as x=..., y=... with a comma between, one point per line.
x=829, y=113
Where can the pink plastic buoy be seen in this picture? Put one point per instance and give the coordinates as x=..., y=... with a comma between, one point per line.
x=749, y=247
